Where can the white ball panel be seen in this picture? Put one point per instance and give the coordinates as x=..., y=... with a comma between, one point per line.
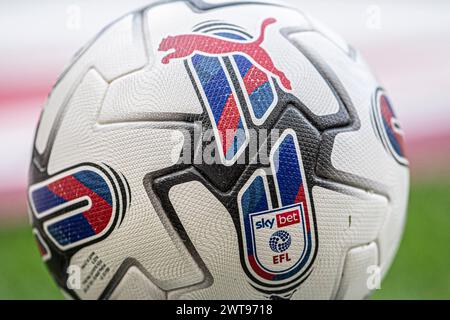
x=212, y=232
x=135, y=285
x=318, y=26
x=392, y=230
x=118, y=50
x=355, y=275
x=338, y=233
x=155, y=93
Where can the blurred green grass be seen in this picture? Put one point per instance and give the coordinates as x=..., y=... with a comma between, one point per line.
x=23, y=275
x=421, y=269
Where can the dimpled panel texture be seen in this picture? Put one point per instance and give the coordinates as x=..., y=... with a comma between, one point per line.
x=153, y=93
x=214, y=237
x=343, y=222
x=137, y=285
x=357, y=272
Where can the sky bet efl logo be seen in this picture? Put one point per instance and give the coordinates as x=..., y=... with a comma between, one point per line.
x=280, y=240
x=278, y=243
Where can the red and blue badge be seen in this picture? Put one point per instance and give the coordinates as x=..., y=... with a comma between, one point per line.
x=278, y=242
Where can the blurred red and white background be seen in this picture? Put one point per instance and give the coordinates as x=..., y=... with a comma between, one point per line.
x=407, y=43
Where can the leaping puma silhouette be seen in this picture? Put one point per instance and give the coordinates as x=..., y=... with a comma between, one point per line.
x=186, y=45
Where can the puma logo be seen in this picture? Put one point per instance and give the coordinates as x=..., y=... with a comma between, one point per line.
x=186, y=45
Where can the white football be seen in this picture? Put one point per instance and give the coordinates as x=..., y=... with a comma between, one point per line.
x=235, y=150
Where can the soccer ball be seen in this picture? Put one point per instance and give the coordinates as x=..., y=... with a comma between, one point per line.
x=227, y=150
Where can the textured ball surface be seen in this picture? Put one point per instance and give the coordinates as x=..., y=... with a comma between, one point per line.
x=239, y=151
